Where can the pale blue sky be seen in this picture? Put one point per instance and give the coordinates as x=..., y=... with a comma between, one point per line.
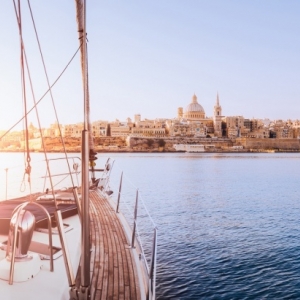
x=150, y=57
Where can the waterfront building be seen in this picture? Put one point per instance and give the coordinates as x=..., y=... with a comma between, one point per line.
x=247, y=126
x=296, y=129
x=235, y=126
x=148, y=128
x=99, y=128
x=260, y=133
x=281, y=130
x=176, y=127
x=296, y=133
x=52, y=132
x=120, y=129
x=255, y=128
x=73, y=130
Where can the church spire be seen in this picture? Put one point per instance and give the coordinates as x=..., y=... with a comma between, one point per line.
x=217, y=107
x=217, y=118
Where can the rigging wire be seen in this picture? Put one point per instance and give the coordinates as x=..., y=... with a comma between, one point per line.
x=26, y=112
x=28, y=159
x=43, y=96
x=39, y=123
x=52, y=99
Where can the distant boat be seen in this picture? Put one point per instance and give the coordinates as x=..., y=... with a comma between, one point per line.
x=189, y=147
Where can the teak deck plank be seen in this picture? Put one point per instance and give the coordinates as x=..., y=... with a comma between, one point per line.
x=94, y=261
x=113, y=272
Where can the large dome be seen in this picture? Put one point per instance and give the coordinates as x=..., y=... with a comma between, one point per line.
x=194, y=107
x=194, y=110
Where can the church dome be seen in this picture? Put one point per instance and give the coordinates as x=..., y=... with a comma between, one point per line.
x=194, y=107
x=194, y=110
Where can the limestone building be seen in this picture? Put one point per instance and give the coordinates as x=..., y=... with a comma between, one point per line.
x=148, y=128
x=118, y=128
x=194, y=122
x=99, y=128
x=235, y=126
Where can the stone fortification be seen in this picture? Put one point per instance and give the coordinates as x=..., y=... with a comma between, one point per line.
x=108, y=143
x=269, y=144
x=142, y=144
x=167, y=144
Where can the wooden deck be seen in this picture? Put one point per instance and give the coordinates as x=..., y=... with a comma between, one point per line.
x=113, y=271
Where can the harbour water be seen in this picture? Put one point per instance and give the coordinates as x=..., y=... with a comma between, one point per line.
x=228, y=224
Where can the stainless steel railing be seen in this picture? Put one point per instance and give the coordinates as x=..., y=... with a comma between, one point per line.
x=137, y=214
x=39, y=180
x=12, y=177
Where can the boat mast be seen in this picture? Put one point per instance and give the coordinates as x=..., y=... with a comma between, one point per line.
x=85, y=151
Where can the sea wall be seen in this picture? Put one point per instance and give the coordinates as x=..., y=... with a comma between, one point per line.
x=167, y=143
x=150, y=144
x=269, y=144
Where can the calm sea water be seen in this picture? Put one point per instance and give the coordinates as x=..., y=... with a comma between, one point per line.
x=228, y=224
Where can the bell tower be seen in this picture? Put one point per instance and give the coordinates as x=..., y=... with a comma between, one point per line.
x=217, y=118
x=180, y=112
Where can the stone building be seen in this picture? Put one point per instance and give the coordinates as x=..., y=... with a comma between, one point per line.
x=281, y=130
x=55, y=130
x=99, y=128
x=235, y=126
x=73, y=130
x=148, y=128
x=192, y=121
x=120, y=129
x=176, y=127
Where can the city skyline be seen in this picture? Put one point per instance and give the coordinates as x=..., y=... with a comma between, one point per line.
x=150, y=58
x=132, y=117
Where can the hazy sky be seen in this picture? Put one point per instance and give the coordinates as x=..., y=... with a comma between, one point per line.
x=151, y=57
